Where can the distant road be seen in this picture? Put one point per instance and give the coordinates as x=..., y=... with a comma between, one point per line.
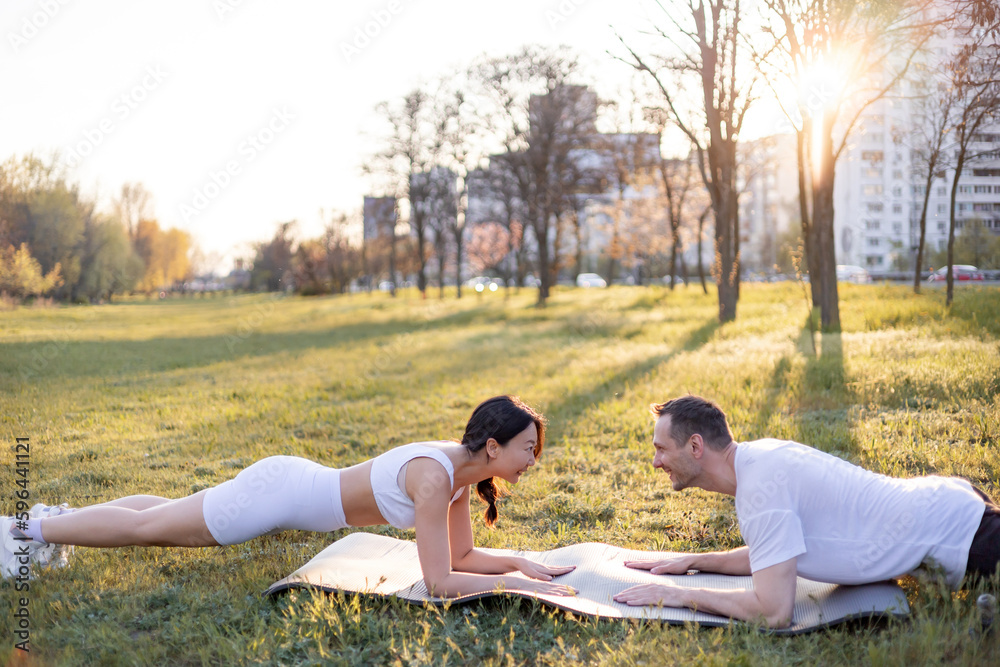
x=924, y=283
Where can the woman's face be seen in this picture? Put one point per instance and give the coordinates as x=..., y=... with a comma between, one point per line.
x=514, y=458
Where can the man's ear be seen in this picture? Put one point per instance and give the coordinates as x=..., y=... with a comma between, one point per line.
x=697, y=445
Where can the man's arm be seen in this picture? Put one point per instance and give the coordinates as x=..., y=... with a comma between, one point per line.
x=736, y=562
x=771, y=600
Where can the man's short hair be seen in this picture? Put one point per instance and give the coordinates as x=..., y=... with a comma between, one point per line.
x=694, y=414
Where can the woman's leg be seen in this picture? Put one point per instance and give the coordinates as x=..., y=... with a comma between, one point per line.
x=173, y=523
x=129, y=502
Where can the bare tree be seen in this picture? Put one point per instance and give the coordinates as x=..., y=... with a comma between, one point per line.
x=440, y=213
x=132, y=205
x=407, y=151
x=935, y=107
x=701, y=235
x=343, y=258
x=624, y=170
x=496, y=191
x=705, y=42
x=539, y=118
x=976, y=80
x=455, y=127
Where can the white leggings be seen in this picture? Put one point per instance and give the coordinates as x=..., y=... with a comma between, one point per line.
x=275, y=494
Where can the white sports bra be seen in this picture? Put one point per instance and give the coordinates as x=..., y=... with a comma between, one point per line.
x=387, y=483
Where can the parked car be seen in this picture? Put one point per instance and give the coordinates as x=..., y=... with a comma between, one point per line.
x=677, y=280
x=590, y=280
x=960, y=271
x=851, y=273
x=484, y=283
x=386, y=286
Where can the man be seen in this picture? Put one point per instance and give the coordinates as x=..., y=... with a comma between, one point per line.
x=804, y=512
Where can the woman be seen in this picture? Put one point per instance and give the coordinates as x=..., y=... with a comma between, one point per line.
x=423, y=485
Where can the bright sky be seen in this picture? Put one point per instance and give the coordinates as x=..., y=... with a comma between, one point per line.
x=238, y=114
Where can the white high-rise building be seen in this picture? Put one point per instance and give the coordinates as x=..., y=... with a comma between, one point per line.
x=769, y=200
x=880, y=185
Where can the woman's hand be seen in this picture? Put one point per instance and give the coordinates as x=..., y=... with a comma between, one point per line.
x=677, y=564
x=541, y=572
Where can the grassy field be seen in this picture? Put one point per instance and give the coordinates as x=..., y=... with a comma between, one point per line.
x=172, y=397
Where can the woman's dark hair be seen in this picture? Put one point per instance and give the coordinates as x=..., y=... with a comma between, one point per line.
x=500, y=418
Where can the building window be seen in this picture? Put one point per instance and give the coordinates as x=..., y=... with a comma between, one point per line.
x=897, y=208
x=942, y=191
x=942, y=208
x=873, y=242
x=872, y=156
x=872, y=190
x=872, y=225
x=897, y=227
x=965, y=189
x=940, y=226
x=983, y=189
x=897, y=174
x=919, y=190
x=872, y=172
x=874, y=207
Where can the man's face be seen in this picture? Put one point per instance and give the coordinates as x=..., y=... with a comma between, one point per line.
x=672, y=457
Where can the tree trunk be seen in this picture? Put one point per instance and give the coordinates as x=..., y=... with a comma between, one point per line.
x=809, y=243
x=579, y=245
x=923, y=225
x=826, y=273
x=422, y=257
x=701, y=237
x=673, y=259
x=727, y=269
x=959, y=164
x=542, y=236
x=612, y=250
x=441, y=262
x=392, y=265
x=458, y=231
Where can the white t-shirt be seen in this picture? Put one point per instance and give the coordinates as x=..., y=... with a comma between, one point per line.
x=845, y=524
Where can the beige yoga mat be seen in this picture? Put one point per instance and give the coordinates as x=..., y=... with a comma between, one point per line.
x=379, y=565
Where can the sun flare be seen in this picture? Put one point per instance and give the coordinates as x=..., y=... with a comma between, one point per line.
x=821, y=88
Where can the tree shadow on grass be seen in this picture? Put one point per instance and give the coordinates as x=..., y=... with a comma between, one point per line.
x=980, y=307
x=577, y=403
x=55, y=359
x=821, y=409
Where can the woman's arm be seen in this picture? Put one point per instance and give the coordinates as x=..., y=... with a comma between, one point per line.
x=466, y=558
x=434, y=546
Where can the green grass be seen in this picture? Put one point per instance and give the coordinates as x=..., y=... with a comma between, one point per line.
x=171, y=397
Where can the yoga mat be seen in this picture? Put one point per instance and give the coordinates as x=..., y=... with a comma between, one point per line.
x=378, y=565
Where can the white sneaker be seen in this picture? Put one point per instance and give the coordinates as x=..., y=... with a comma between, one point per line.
x=15, y=554
x=50, y=555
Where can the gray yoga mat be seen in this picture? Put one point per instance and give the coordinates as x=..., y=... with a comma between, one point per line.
x=379, y=565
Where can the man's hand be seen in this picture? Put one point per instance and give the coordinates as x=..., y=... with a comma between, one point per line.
x=651, y=594
x=680, y=563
